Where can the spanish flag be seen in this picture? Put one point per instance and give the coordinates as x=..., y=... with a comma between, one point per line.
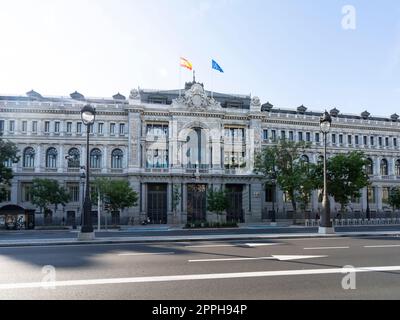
x=186, y=64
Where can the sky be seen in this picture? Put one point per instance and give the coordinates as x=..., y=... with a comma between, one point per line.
x=287, y=52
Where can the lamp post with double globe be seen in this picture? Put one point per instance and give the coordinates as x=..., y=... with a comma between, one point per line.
x=88, y=115
x=326, y=224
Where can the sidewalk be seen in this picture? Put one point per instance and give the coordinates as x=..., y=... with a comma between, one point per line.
x=185, y=238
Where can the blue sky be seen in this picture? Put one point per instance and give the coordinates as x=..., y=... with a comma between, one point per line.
x=287, y=52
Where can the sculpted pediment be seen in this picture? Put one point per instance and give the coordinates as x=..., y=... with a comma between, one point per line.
x=196, y=99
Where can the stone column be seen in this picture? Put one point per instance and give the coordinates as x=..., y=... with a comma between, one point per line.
x=61, y=160
x=170, y=214
x=379, y=197
x=143, y=209
x=184, y=204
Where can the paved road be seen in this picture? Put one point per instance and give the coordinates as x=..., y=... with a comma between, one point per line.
x=138, y=232
x=233, y=270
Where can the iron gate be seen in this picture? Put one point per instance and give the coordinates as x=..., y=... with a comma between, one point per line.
x=196, y=203
x=235, y=211
x=157, y=203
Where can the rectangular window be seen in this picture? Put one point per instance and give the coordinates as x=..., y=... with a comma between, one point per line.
x=356, y=140
x=112, y=128
x=269, y=194
x=57, y=127
x=24, y=126
x=79, y=127
x=11, y=126
x=317, y=137
x=385, y=194
x=91, y=128
x=387, y=142
x=265, y=134
x=333, y=138
x=1, y=126
x=340, y=138
x=122, y=128
x=273, y=135
x=308, y=136
x=26, y=192
x=372, y=141
x=69, y=127
x=34, y=126
x=74, y=192
x=395, y=142
x=100, y=128
x=365, y=140
x=291, y=136
x=300, y=136
x=349, y=139
x=371, y=195
x=47, y=126
x=380, y=142
x=283, y=134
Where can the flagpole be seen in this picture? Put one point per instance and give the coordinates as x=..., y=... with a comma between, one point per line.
x=180, y=79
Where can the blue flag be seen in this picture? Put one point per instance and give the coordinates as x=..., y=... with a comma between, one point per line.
x=216, y=66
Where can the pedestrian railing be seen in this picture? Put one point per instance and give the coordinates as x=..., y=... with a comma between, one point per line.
x=355, y=222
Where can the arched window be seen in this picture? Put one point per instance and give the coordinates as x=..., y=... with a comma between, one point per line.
x=305, y=159
x=74, y=158
x=116, y=159
x=95, y=159
x=320, y=159
x=29, y=158
x=384, y=168
x=51, y=158
x=398, y=168
x=370, y=167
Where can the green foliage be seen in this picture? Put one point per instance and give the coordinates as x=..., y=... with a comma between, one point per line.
x=394, y=198
x=8, y=152
x=46, y=192
x=282, y=163
x=217, y=201
x=117, y=193
x=346, y=176
x=214, y=225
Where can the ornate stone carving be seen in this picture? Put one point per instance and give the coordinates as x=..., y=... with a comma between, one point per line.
x=196, y=99
x=134, y=94
x=255, y=102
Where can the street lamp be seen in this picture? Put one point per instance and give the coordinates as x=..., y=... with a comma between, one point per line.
x=88, y=115
x=326, y=224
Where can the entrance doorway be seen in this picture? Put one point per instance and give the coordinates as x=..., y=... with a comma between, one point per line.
x=235, y=197
x=157, y=203
x=196, y=203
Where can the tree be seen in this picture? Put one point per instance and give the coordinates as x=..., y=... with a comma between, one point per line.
x=394, y=198
x=217, y=202
x=8, y=153
x=346, y=176
x=46, y=192
x=283, y=162
x=118, y=194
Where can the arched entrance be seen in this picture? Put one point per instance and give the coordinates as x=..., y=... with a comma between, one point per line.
x=14, y=217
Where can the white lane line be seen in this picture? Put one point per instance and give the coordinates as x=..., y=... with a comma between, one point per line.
x=384, y=246
x=262, y=244
x=326, y=248
x=145, y=254
x=76, y=245
x=212, y=246
x=212, y=276
x=274, y=257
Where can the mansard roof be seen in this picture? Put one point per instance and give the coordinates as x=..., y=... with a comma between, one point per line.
x=77, y=96
x=119, y=96
x=34, y=95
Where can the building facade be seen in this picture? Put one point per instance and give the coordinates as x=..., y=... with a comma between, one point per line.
x=182, y=142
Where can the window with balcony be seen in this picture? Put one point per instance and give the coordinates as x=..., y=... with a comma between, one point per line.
x=95, y=158
x=51, y=158
x=74, y=158
x=384, y=167
x=28, y=160
x=157, y=158
x=117, y=157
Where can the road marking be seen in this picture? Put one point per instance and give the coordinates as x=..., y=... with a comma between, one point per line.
x=262, y=244
x=212, y=276
x=326, y=248
x=146, y=254
x=275, y=257
x=384, y=246
x=212, y=246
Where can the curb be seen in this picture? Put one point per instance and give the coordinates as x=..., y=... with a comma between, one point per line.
x=196, y=239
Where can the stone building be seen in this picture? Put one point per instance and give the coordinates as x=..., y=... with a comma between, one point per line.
x=181, y=142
